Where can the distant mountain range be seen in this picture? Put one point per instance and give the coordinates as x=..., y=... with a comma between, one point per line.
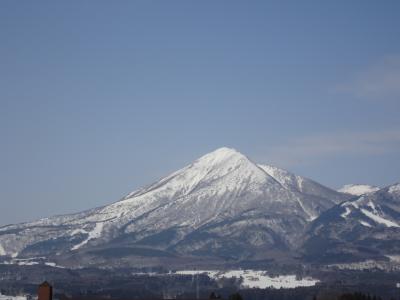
x=221, y=209
x=358, y=189
x=364, y=228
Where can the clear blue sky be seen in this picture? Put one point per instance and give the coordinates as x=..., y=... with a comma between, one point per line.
x=101, y=97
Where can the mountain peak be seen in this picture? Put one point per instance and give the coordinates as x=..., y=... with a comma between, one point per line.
x=394, y=189
x=225, y=149
x=209, y=167
x=222, y=153
x=358, y=189
x=224, y=158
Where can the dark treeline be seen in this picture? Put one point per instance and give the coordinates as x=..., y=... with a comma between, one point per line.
x=124, y=284
x=378, y=292
x=358, y=296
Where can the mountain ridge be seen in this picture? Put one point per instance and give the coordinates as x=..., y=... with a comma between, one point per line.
x=221, y=207
x=358, y=189
x=366, y=227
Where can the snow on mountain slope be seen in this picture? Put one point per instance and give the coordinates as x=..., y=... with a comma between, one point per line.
x=366, y=227
x=358, y=189
x=301, y=184
x=219, y=202
x=2, y=251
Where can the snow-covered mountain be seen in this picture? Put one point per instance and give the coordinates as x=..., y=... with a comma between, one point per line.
x=358, y=189
x=221, y=206
x=301, y=184
x=364, y=228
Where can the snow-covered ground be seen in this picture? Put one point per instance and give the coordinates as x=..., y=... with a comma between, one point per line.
x=358, y=189
x=256, y=279
x=369, y=209
x=2, y=251
x=378, y=219
x=5, y=297
x=394, y=258
x=95, y=233
x=30, y=262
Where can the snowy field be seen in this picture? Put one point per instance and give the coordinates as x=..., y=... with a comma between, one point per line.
x=5, y=297
x=30, y=262
x=256, y=279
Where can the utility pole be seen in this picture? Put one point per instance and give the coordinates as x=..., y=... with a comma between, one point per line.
x=197, y=286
